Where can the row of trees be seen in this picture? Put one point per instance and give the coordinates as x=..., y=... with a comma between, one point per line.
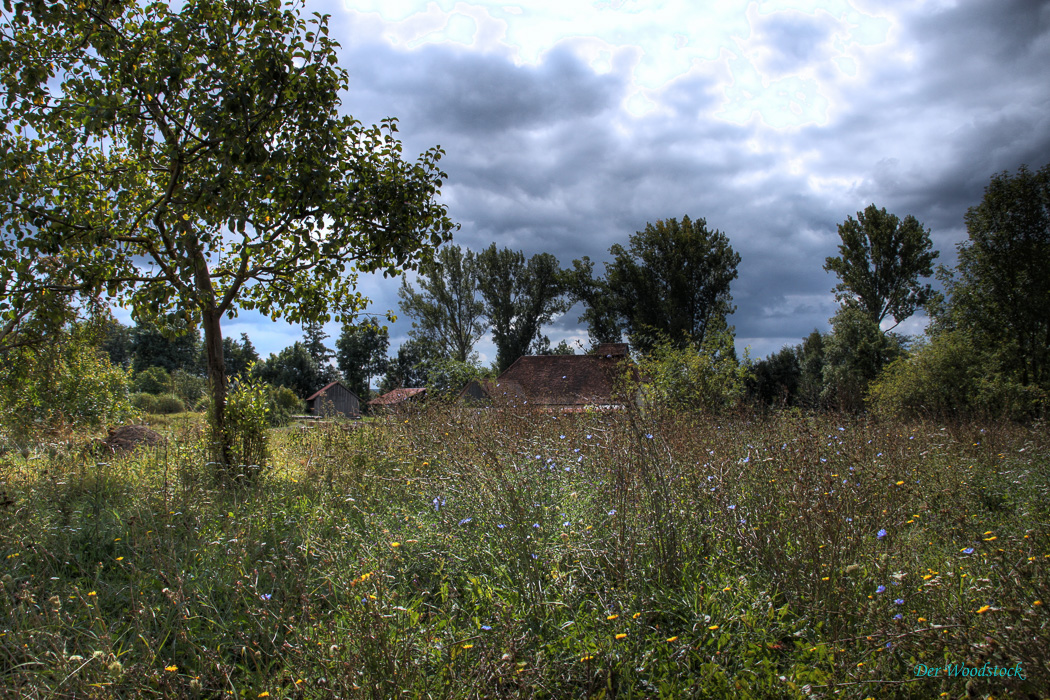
x=987, y=347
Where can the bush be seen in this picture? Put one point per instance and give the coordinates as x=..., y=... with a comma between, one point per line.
x=169, y=404
x=948, y=376
x=282, y=404
x=704, y=378
x=247, y=423
x=188, y=387
x=152, y=380
x=147, y=403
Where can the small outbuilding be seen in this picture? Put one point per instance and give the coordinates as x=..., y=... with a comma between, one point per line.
x=397, y=399
x=334, y=400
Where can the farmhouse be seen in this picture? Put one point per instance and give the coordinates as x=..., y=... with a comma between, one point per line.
x=396, y=399
x=336, y=400
x=560, y=382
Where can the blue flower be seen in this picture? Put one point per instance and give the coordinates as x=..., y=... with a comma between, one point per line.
x=464, y=521
x=968, y=550
x=562, y=437
x=649, y=436
x=501, y=526
x=612, y=512
x=536, y=525
x=880, y=589
x=899, y=601
x=881, y=533
x=732, y=507
x=898, y=616
x=486, y=628
x=266, y=596
x=565, y=524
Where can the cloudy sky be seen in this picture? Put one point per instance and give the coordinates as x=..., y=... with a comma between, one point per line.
x=570, y=124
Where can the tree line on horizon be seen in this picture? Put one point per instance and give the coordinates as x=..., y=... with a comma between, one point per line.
x=189, y=162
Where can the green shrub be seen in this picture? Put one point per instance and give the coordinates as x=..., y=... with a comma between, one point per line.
x=246, y=427
x=147, y=403
x=152, y=380
x=169, y=404
x=282, y=404
x=949, y=376
x=188, y=387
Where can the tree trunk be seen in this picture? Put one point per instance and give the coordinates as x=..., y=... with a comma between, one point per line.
x=217, y=384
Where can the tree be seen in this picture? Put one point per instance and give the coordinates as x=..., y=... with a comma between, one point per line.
x=238, y=356
x=151, y=347
x=603, y=325
x=519, y=298
x=1001, y=297
x=811, y=369
x=880, y=261
x=854, y=354
x=191, y=160
x=446, y=311
x=313, y=338
x=673, y=279
x=362, y=355
x=409, y=368
x=294, y=368
x=775, y=379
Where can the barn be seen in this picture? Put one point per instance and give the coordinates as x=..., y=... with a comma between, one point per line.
x=334, y=400
x=559, y=382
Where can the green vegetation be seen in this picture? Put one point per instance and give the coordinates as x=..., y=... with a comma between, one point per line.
x=464, y=553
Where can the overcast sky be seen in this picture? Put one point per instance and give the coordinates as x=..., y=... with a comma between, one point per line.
x=568, y=125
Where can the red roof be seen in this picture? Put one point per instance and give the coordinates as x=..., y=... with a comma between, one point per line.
x=396, y=396
x=326, y=388
x=566, y=380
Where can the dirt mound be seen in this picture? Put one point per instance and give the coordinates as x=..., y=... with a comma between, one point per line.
x=128, y=437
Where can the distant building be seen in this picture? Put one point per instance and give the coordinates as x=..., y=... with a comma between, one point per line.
x=336, y=400
x=562, y=382
x=398, y=398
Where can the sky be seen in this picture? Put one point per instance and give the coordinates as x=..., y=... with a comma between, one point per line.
x=568, y=125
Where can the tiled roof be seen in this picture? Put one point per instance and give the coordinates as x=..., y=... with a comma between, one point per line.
x=566, y=380
x=396, y=396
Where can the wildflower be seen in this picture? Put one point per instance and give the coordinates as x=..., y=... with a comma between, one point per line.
x=968, y=550
x=983, y=609
x=92, y=593
x=612, y=617
x=120, y=558
x=501, y=526
x=584, y=659
x=898, y=616
x=173, y=668
x=899, y=601
x=486, y=627
x=562, y=437
x=468, y=646
x=395, y=544
x=264, y=694
x=612, y=512
x=649, y=436
x=672, y=639
x=636, y=616
x=713, y=627
x=922, y=619
x=733, y=507
x=881, y=533
x=880, y=589
x=621, y=635
x=900, y=483
x=266, y=596
x=536, y=526
x=464, y=521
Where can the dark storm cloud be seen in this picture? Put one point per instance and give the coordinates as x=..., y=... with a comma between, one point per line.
x=543, y=158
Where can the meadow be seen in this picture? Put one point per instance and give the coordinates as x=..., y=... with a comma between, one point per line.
x=495, y=553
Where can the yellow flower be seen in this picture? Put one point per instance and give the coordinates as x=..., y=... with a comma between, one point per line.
x=171, y=668
x=120, y=558
x=264, y=694
x=622, y=635
x=468, y=646
x=185, y=217
x=92, y=593
x=989, y=539
x=395, y=544
x=922, y=619
x=612, y=617
x=900, y=483
x=983, y=609
x=825, y=578
x=636, y=616
x=1038, y=602
x=713, y=627
x=586, y=658
x=672, y=639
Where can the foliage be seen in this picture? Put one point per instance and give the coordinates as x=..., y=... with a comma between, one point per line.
x=686, y=377
x=152, y=347
x=1001, y=297
x=854, y=354
x=811, y=370
x=189, y=388
x=671, y=282
x=362, y=355
x=246, y=429
x=409, y=368
x=519, y=298
x=116, y=342
x=950, y=377
x=775, y=380
x=454, y=556
x=193, y=160
x=67, y=383
x=238, y=356
x=446, y=313
x=447, y=377
x=282, y=404
x=152, y=380
x=880, y=261
x=292, y=367
x=599, y=313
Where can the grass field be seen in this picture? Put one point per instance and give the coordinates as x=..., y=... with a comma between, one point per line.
x=459, y=553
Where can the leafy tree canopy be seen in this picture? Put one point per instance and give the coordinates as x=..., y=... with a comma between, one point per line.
x=519, y=298
x=191, y=160
x=672, y=279
x=880, y=261
x=446, y=312
x=294, y=368
x=1001, y=296
x=361, y=353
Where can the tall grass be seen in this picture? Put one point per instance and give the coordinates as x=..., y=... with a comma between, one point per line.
x=461, y=553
